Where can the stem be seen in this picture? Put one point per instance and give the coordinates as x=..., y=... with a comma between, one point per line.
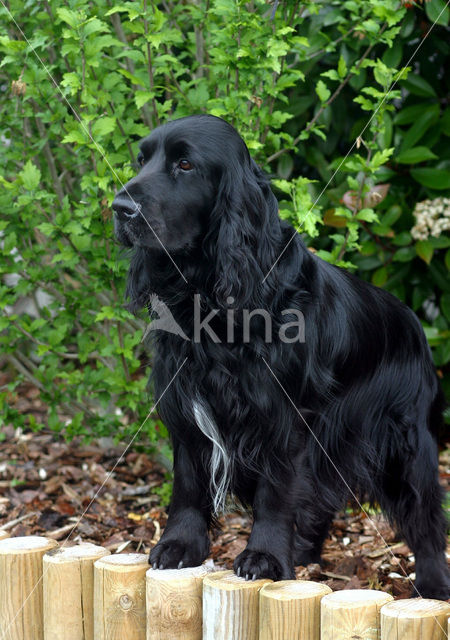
x=118, y=322
x=120, y=33
x=359, y=202
x=48, y=154
x=122, y=131
x=150, y=65
x=330, y=100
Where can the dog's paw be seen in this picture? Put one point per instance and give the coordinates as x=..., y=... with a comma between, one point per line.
x=435, y=591
x=176, y=554
x=253, y=565
x=433, y=580
x=305, y=557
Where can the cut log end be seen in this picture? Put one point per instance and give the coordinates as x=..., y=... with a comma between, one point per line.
x=290, y=609
x=174, y=603
x=231, y=607
x=21, y=593
x=352, y=613
x=415, y=619
x=26, y=544
x=119, y=597
x=68, y=591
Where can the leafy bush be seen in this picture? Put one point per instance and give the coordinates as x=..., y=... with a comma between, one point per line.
x=308, y=86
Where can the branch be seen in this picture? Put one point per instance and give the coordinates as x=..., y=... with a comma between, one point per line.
x=150, y=65
x=330, y=100
x=48, y=154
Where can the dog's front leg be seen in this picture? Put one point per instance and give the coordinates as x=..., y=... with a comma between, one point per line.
x=269, y=552
x=185, y=541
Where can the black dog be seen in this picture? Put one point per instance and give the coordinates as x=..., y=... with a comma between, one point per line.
x=292, y=420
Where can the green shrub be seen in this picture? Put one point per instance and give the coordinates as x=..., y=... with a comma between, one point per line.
x=301, y=86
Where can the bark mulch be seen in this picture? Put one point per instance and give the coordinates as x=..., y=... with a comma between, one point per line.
x=47, y=484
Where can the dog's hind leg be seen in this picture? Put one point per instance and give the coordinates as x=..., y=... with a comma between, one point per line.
x=314, y=514
x=411, y=496
x=312, y=525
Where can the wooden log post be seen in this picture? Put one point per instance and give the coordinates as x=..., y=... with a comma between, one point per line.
x=68, y=580
x=174, y=603
x=21, y=615
x=230, y=607
x=415, y=619
x=290, y=609
x=352, y=613
x=3, y=534
x=119, y=597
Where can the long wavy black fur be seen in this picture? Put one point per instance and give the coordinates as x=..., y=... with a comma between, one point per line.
x=351, y=411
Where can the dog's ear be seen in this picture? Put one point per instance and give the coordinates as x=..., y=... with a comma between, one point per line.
x=244, y=235
x=137, y=291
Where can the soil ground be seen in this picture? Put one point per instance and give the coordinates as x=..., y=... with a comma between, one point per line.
x=47, y=484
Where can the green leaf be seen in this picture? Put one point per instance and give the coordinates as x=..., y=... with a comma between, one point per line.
x=418, y=86
x=381, y=157
x=402, y=239
x=103, y=126
x=445, y=122
x=447, y=259
x=418, y=129
x=412, y=113
x=30, y=175
x=42, y=349
x=439, y=275
x=405, y=254
x=285, y=166
x=322, y=91
x=431, y=333
x=424, y=250
x=441, y=242
x=432, y=178
x=438, y=12
x=47, y=228
x=392, y=215
x=445, y=305
x=368, y=215
x=380, y=276
x=332, y=74
x=415, y=155
x=69, y=17
x=77, y=136
x=81, y=242
x=142, y=97
x=342, y=67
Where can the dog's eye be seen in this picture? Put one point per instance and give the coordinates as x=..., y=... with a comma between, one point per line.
x=185, y=164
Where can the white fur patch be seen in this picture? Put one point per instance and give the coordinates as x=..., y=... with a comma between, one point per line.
x=220, y=463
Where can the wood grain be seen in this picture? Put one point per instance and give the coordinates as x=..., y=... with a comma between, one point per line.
x=119, y=597
x=174, y=603
x=230, y=607
x=69, y=591
x=21, y=592
x=415, y=619
x=290, y=609
x=352, y=614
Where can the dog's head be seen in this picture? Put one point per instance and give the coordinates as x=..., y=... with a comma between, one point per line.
x=171, y=199
x=199, y=188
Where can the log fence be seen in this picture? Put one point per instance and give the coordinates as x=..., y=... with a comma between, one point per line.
x=84, y=593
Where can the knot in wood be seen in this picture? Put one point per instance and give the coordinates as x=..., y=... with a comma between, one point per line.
x=125, y=602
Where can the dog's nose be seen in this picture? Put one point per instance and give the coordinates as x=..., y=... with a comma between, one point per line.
x=125, y=208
